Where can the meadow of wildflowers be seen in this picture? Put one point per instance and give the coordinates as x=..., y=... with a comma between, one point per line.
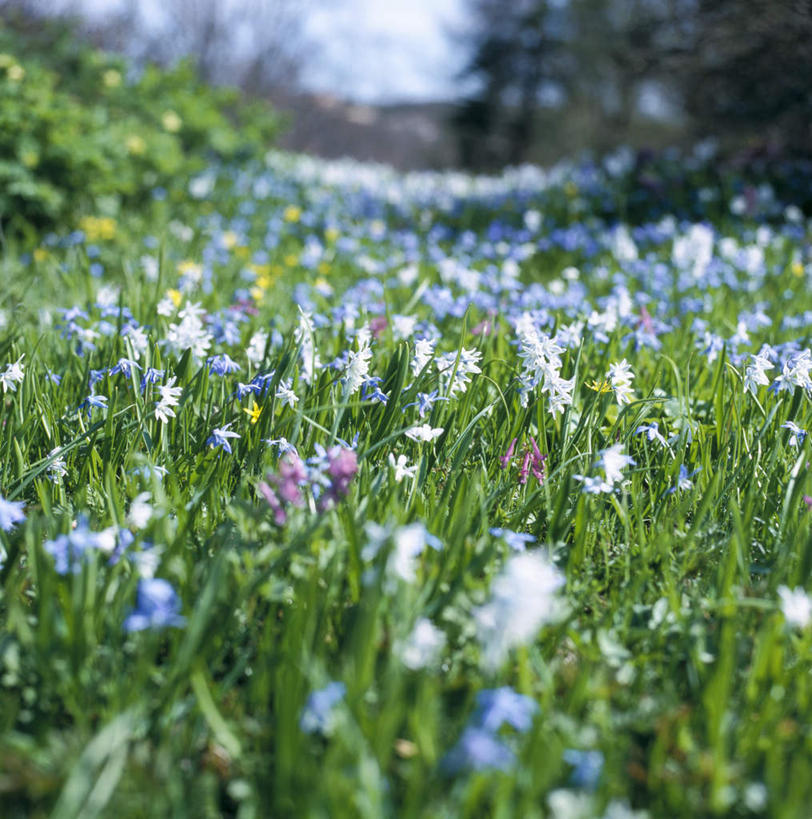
x=326, y=491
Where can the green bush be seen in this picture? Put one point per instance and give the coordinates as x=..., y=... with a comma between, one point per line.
x=80, y=132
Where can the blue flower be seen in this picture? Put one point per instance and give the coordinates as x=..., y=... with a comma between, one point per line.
x=503, y=706
x=222, y=365
x=11, y=513
x=516, y=540
x=157, y=605
x=318, y=713
x=94, y=400
x=586, y=767
x=125, y=366
x=219, y=437
x=425, y=402
x=479, y=750
x=151, y=376
x=68, y=550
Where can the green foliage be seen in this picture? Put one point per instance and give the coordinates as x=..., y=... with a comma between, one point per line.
x=80, y=132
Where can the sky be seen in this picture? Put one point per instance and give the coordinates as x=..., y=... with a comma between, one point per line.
x=384, y=50
x=365, y=50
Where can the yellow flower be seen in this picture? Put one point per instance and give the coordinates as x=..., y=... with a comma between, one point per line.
x=254, y=413
x=98, y=227
x=331, y=234
x=601, y=388
x=112, y=78
x=229, y=239
x=171, y=121
x=291, y=260
x=135, y=144
x=40, y=254
x=175, y=296
x=15, y=72
x=192, y=270
x=292, y=213
x=797, y=269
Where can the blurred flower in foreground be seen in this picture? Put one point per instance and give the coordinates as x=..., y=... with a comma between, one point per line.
x=11, y=513
x=157, y=605
x=523, y=597
x=318, y=714
x=423, y=646
x=796, y=606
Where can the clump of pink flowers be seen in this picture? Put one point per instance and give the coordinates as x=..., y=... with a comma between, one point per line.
x=328, y=476
x=532, y=461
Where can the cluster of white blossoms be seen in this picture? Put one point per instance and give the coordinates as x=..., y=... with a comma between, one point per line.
x=524, y=596
x=621, y=377
x=541, y=364
x=456, y=370
x=189, y=334
x=12, y=375
x=612, y=462
x=170, y=395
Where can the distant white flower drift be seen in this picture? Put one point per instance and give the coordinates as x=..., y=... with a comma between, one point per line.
x=524, y=597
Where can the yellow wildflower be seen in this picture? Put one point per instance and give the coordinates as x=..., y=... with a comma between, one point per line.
x=292, y=213
x=600, y=388
x=112, y=78
x=171, y=121
x=254, y=412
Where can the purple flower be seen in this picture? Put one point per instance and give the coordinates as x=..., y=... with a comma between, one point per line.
x=157, y=605
x=342, y=468
x=504, y=460
x=11, y=513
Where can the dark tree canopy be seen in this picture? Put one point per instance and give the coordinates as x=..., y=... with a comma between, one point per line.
x=737, y=69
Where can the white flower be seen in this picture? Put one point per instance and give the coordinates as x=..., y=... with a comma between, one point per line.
x=285, y=394
x=524, y=596
x=357, y=369
x=754, y=373
x=796, y=606
x=424, y=433
x=13, y=375
x=401, y=467
x=620, y=376
x=140, y=511
x=166, y=307
x=462, y=369
x=423, y=352
x=256, y=347
x=189, y=334
x=612, y=461
x=422, y=647
x=303, y=336
x=57, y=469
x=403, y=326
x=170, y=394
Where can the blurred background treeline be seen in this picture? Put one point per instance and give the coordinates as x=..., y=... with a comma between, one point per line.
x=537, y=80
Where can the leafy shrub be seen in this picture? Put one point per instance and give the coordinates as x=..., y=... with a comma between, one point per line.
x=80, y=130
